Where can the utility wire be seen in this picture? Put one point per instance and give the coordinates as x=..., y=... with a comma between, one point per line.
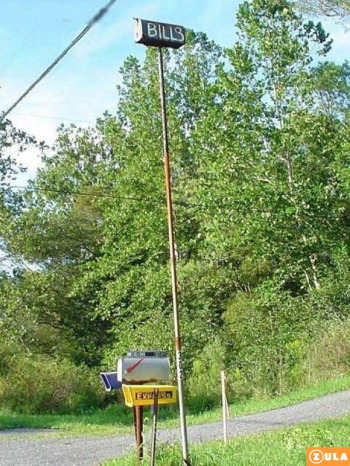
x=91, y=23
x=179, y=202
x=81, y=193
x=50, y=117
x=18, y=50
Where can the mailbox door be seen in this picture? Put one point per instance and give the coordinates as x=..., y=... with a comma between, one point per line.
x=143, y=370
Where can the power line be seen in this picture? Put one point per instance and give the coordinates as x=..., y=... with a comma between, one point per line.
x=111, y=195
x=19, y=49
x=91, y=23
x=207, y=206
x=82, y=193
x=50, y=117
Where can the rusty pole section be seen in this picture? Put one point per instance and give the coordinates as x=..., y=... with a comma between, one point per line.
x=179, y=370
x=138, y=423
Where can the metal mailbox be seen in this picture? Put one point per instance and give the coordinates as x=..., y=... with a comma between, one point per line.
x=143, y=395
x=144, y=367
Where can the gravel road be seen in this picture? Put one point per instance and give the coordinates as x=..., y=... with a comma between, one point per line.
x=30, y=451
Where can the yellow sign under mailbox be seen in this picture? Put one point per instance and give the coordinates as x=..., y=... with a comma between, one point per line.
x=143, y=395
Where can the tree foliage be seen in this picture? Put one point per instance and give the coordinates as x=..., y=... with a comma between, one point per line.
x=259, y=147
x=332, y=8
x=12, y=142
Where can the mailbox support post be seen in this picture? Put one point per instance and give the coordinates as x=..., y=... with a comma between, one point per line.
x=179, y=369
x=138, y=422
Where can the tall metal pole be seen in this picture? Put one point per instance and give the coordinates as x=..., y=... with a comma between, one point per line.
x=179, y=370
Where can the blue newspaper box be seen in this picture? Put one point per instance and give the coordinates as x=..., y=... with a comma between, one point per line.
x=110, y=381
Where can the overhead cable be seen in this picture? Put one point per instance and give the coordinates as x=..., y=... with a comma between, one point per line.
x=204, y=206
x=91, y=23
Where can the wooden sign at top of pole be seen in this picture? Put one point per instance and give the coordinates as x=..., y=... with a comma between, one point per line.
x=159, y=34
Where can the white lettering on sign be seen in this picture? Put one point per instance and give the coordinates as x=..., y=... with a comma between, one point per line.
x=152, y=30
x=159, y=34
x=165, y=37
x=178, y=30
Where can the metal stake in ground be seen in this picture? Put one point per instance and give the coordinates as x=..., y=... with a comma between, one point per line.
x=168, y=35
x=154, y=426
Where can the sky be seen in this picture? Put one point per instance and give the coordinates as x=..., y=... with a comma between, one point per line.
x=83, y=85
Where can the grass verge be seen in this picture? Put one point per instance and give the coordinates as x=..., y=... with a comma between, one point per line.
x=285, y=447
x=117, y=419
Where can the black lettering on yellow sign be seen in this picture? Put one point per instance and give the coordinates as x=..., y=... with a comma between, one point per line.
x=162, y=395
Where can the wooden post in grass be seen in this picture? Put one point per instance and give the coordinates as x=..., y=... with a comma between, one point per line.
x=138, y=423
x=224, y=404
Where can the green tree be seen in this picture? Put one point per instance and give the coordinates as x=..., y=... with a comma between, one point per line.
x=56, y=229
x=259, y=155
x=268, y=164
x=94, y=220
x=133, y=272
x=331, y=8
x=271, y=182
x=331, y=83
x=12, y=142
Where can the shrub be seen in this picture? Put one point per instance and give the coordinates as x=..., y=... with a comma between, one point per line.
x=329, y=352
x=45, y=385
x=204, y=382
x=266, y=336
